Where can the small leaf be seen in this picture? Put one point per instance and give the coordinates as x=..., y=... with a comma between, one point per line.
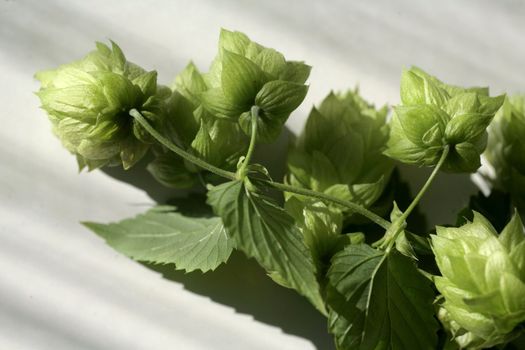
x=216, y=103
x=190, y=83
x=264, y=231
x=169, y=169
x=270, y=61
x=417, y=120
x=402, y=243
x=233, y=41
x=147, y=82
x=163, y=236
x=321, y=227
x=280, y=97
x=467, y=127
x=421, y=89
x=241, y=79
x=296, y=72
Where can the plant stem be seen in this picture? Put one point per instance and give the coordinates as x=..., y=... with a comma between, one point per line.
x=399, y=224
x=319, y=195
x=241, y=172
x=232, y=176
x=172, y=147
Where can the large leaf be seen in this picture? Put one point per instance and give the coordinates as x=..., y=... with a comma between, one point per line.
x=380, y=301
x=264, y=231
x=162, y=235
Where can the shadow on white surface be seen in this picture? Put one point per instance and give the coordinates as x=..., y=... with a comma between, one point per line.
x=61, y=287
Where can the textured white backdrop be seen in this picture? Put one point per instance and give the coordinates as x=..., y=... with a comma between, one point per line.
x=62, y=288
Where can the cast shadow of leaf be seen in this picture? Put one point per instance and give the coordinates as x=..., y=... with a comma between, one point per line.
x=240, y=283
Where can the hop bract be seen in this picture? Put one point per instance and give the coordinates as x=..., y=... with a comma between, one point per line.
x=88, y=103
x=340, y=150
x=506, y=149
x=482, y=282
x=246, y=74
x=434, y=115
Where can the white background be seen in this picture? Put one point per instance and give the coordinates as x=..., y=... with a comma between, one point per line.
x=61, y=287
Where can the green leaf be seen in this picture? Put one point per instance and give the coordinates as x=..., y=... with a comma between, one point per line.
x=463, y=103
x=232, y=41
x=169, y=169
x=164, y=236
x=219, y=142
x=264, y=231
x=147, y=82
x=280, y=97
x=270, y=61
x=320, y=225
x=190, y=83
x=490, y=105
x=389, y=302
x=216, y=103
x=419, y=90
x=241, y=79
x=402, y=243
x=467, y=127
x=416, y=121
x=297, y=72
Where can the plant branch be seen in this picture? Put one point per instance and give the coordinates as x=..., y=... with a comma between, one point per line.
x=319, y=195
x=174, y=148
x=399, y=224
x=277, y=185
x=241, y=172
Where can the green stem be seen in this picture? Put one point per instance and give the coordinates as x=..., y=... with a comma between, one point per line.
x=232, y=176
x=172, y=147
x=241, y=172
x=399, y=224
x=322, y=196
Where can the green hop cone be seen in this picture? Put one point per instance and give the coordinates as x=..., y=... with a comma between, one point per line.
x=482, y=282
x=506, y=149
x=433, y=115
x=88, y=103
x=340, y=150
x=321, y=227
x=246, y=74
x=218, y=141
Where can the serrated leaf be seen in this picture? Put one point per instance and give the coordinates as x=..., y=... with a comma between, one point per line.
x=389, y=303
x=264, y=231
x=164, y=236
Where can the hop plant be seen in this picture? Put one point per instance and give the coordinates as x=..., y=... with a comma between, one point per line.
x=482, y=282
x=245, y=75
x=88, y=103
x=434, y=115
x=506, y=150
x=206, y=126
x=218, y=141
x=340, y=150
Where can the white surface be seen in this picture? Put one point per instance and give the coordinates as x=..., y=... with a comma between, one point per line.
x=60, y=286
